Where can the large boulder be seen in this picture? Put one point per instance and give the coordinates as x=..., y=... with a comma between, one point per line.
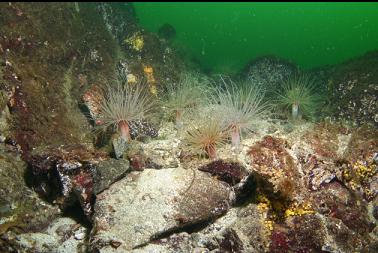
x=269, y=71
x=146, y=205
x=274, y=166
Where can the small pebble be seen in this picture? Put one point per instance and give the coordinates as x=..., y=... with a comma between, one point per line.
x=79, y=235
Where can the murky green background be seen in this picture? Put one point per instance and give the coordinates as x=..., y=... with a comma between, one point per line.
x=225, y=36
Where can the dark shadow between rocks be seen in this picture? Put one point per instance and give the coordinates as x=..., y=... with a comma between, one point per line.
x=76, y=213
x=47, y=192
x=245, y=192
x=189, y=228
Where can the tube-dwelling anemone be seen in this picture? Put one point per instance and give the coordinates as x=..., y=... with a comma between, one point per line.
x=239, y=105
x=297, y=94
x=184, y=96
x=122, y=104
x=206, y=137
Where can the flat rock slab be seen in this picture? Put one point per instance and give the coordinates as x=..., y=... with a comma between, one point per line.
x=63, y=235
x=146, y=205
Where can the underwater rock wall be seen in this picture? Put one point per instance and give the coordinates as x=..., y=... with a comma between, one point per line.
x=52, y=53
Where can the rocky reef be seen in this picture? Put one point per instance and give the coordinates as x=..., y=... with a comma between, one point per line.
x=354, y=90
x=67, y=185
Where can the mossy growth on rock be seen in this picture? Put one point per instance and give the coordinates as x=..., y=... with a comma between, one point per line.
x=227, y=171
x=271, y=161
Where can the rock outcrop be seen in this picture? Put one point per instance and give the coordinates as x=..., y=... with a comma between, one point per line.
x=147, y=205
x=354, y=88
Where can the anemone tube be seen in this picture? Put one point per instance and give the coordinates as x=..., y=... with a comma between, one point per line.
x=124, y=128
x=235, y=136
x=211, y=151
x=178, y=120
x=295, y=110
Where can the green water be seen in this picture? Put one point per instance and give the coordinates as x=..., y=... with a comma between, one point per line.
x=223, y=37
